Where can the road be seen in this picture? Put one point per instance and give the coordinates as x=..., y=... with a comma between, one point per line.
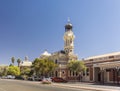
x=16, y=85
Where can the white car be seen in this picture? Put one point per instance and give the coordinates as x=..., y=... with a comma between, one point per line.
x=10, y=77
x=47, y=80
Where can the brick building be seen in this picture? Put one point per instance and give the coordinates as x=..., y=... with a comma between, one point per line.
x=103, y=68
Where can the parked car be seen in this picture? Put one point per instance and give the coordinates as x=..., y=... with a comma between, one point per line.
x=19, y=78
x=10, y=77
x=58, y=79
x=4, y=77
x=30, y=79
x=47, y=79
x=34, y=78
x=37, y=79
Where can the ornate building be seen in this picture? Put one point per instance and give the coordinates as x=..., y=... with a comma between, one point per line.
x=63, y=56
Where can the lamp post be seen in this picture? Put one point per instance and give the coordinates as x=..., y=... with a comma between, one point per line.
x=60, y=69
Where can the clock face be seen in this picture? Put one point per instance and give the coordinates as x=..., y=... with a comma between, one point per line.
x=66, y=50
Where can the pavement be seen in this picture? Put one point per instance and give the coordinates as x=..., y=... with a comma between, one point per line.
x=88, y=86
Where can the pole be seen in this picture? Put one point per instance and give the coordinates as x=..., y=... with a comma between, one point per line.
x=60, y=69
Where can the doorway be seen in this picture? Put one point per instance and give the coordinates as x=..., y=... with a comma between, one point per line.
x=99, y=77
x=97, y=74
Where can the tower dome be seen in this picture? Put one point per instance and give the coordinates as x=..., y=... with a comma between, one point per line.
x=68, y=26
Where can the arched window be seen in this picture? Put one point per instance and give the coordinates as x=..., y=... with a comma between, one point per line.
x=73, y=73
x=56, y=61
x=83, y=73
x=63, y=72
x=76, y=73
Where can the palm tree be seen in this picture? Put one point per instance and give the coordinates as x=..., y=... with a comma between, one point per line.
x=18, y=61
x=13, y=60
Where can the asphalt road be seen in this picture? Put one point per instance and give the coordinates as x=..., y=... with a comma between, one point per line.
x=16, y=85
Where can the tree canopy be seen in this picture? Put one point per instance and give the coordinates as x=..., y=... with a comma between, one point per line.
x=25, y=70
x=13, y=70
x=77, y=66
x=43, y=66
x=3, y=70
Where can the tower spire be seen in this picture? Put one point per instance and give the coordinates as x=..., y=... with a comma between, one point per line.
x=68, y=26
x=68, y=19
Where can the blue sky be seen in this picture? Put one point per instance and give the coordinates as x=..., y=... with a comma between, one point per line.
x=28, y=27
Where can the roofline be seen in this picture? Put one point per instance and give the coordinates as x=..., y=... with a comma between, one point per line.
x=104, y=55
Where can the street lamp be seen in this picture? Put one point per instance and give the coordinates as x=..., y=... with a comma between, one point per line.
x=60, y=69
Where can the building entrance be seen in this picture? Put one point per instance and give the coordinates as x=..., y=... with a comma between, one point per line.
x=99, y=77
x=97, y=74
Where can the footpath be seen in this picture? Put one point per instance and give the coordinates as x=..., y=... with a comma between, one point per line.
x=88, y=86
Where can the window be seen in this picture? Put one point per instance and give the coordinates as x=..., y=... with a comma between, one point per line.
x=111, y=56
x=76, y=73
x=100, y=58
x=83, y=73
x=63, y=72
x=56, y=61
x=118, y=56
x=91, y=59
x=87, y=71
x=73, y=73
x=70, y=72
x=119, y=72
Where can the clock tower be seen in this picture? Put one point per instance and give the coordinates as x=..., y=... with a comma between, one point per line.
x=69, y=39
